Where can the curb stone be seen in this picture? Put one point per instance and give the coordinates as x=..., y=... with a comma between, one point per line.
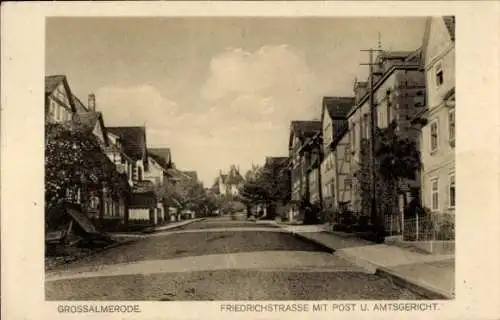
x=176, y=227
x=323, y=246
x=360, y=262
x=423, y=289
x=418, y=287
x=92, y=252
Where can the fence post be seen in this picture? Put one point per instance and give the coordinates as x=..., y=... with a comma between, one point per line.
x=416, y=221
x=402, y=223
x=391, y=229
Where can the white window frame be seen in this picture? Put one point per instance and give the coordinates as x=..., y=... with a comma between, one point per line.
x=451, y=139
x=451, y=182
x=433, y=192
x=347, y=184
x=436, y=123
x=366, y=124
x=347, y=153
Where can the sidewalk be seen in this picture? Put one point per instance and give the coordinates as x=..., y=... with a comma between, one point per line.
x=430, y=275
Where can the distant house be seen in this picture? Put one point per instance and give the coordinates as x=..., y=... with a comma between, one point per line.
x=143, y=203
x=229, y=184
x=160, y=174
x=59, y=104
x=335, y=167
x=300, y=161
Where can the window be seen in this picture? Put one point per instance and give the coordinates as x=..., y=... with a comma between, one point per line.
x=347, y=156
x=57, y=112
x=451, y=126
x=366, y=126
x=134, y=172
x=139, y=173
x=348, y=184
x=435, y=194
x=434, y=136
x=439, y=75
x=52, y=108
x=389, y=113
x=452, y=191
x=353, y=135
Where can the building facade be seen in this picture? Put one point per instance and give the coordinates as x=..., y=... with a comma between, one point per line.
x=59, y=103
x=437, y=141
x=229, y=183
x=335, y=167
x=143, y=199
x=399, y=94
x=299, y=163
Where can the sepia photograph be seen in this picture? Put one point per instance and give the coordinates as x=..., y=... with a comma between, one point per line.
x=238, y=158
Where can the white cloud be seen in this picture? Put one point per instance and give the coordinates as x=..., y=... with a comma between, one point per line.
x=273, y=82
x=249, y=99
x=135, y=105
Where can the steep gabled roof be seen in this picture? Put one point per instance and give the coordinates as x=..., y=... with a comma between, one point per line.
x=193, y=175
x=222, y=178
x=338, y=107
x=80, y=107
x=449, y=21
x=306, y=128
x=272, y=161
x=303, y=129
x=51, y=82
x=162, y=156
x=234, y=178
x=133, y=140
x=88, y=119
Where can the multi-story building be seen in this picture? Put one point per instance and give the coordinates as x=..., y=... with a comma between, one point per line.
x=314, y=152
x=229, y=183
x=59, y=103
x=159, y=173
x=299, y=163
x=63, y=107
x=437, y=140
x=335, y=167
x=143, y=203
x=398, y=94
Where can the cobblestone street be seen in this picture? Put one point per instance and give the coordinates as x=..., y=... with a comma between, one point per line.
x=217, y=259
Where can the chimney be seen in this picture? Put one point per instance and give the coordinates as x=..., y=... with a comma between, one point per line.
x=91, y=103
x=360, y=89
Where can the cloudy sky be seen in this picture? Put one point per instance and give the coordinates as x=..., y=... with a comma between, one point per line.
x=217, y=91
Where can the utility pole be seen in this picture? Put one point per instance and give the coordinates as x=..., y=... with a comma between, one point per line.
x=373, y=210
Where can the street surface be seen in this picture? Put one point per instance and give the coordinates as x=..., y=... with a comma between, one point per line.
x=218, y=259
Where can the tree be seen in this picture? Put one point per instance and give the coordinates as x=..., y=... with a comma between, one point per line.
x=190, y=196
x=397, y=159
x=74, y=159
x=264, y=185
